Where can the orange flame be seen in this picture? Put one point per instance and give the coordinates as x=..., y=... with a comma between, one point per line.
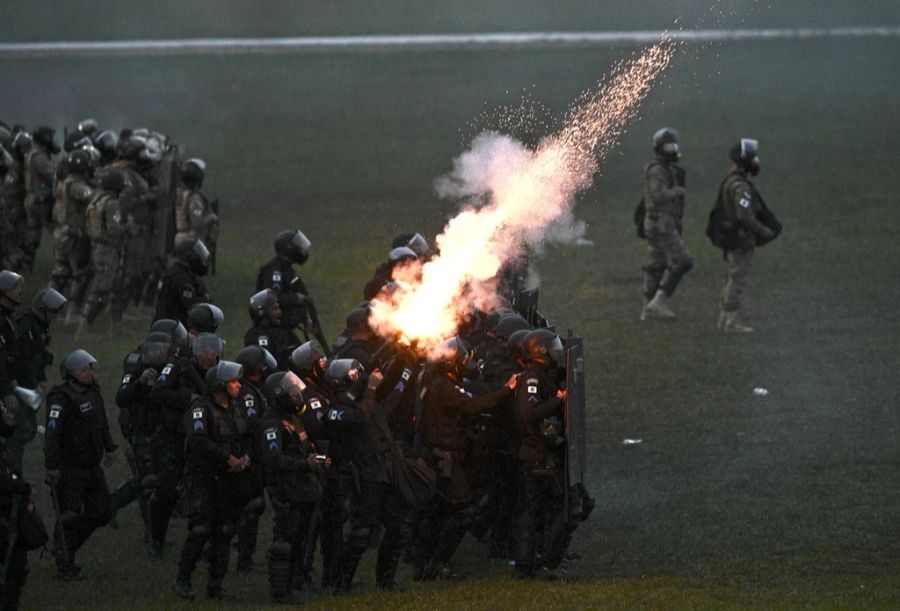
x=527, y=192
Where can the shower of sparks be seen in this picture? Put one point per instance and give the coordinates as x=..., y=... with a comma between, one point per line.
x=518, y=197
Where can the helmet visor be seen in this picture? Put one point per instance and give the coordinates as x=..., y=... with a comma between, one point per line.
x=155, y=352
x=301, y=243
x=209, y=344
x=292, y=386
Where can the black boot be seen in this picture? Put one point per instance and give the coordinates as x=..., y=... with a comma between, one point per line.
x=182, y=586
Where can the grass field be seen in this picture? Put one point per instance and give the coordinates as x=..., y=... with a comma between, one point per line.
x=731, y=500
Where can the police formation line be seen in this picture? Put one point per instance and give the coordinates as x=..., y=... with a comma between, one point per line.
x=375, y=445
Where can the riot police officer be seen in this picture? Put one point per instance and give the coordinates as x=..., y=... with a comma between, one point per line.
x=268, y=330
x=444, y=431
x=292, y=481
x=252, y=406
x=664, y=195
x=33, y=358
x=10, y=298
x=16, y=495
x=539, y=405
x=180, y=379
x=76, y=441
x=214, y=455
x=204, y=318
x=181, y=285
x=298, y=309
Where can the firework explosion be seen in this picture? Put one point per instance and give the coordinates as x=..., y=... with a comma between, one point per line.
x=516, y=197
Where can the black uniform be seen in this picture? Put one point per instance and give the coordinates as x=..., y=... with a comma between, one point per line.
x=374, y=501
x=284, y=447
x=542, y=462
x=77, y=436
x=445, y=432
x=181, y=288
x=171, y=397
x=280, y=341
x=251, y=407
x=7, y=354
x=279, y=275
x=32, y=340
x=213, y=435
x=138, y=421
x=12, y=490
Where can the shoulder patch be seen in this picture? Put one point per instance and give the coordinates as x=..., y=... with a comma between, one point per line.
x=532, y=389
x=167, y=369
x=187, y=293
x=315, y=404
x=197, y=413
x=263, y=340
x=531, y=381
x=271, y=434
x=55, y=409
x=128, y=378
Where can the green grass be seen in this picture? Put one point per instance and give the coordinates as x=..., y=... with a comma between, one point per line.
x=731, y=500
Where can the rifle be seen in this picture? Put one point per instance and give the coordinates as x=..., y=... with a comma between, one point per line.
x=13, y=535
x=213, y=246
x=54, y=495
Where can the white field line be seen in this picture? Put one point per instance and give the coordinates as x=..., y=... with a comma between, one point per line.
x=308, y=44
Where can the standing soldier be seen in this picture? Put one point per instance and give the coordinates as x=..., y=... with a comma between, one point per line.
x=291, y=246
x=539, y=407
x=10, y=298
x=214, y=455
x=72, y=248
x=268, y=331
x=664, y=202
x=38, y=175
x=742, y=205
x=33, y=356
x=22, y=144
x=11, y=213
x=108, y=231
x=75, y=443
x=194, y=216
x=181, y=285
x=292, y=467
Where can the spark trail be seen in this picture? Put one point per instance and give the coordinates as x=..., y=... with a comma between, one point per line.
x=517, y=197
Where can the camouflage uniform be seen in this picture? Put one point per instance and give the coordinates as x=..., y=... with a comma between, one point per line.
x=664, y=201
x=72, y=248
x=137, y=202
x=107, y=230
x=38, y=175
x=11, y=215
x=741, y=204
x=194, y=217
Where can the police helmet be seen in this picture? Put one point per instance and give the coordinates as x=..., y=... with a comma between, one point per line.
x=208, y=343
x=256, y=360
x=130, y=147
x=292, y=244
x=44, y=136
x=155, y=349
x=6, y=137
x=74, y=362
x=194, y=253
x=79, y=162
x=494, y=316
x=95, y=155
x=106, y=142
x=745, y=153
x=172, y=328
x=22, y=142
x=358, y=319
x=284, y=390
x=347, y=376
x=402, y=253
x=307, y=360
x=9, y=280
x=543, y=345
x=516, y=341
x=261, y=302
x=88, y=126
x=193, y=172
x=75, y=140
x=204, y=317
x=114, y=180
x=509, y=324
x=48, y=301
x=665, y=144
x=457, y=355
x=219, y=376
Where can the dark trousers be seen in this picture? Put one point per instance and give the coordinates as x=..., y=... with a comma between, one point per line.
x=290, y=528
x=84, y=504
x=16, y=575
x=542, y=527
x=168, y=453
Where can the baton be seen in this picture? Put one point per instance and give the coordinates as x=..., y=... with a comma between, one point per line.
x=54, y=495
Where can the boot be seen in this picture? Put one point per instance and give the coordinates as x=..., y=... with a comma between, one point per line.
x=182, y=586
x=657, y=308
x=83, y=331
x=733, y=325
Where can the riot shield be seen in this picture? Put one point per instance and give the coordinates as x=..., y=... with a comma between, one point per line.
x=576, y=422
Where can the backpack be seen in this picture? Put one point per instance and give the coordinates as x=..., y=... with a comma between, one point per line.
x=722, y=230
